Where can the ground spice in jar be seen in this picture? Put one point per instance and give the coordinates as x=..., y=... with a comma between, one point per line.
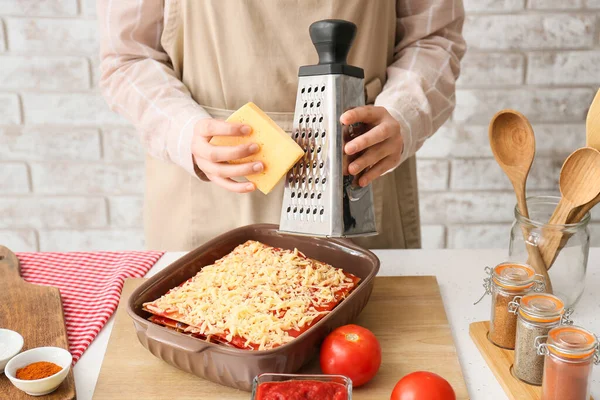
x=564, y=381
x=503, y=328
x=38, y=370
x=507, y=281
x=537, y=313
x=569, y=354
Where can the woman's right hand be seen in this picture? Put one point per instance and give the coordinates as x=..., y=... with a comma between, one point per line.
x=212, y=160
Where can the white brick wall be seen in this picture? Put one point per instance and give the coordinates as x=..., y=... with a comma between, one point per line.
x=72, y=171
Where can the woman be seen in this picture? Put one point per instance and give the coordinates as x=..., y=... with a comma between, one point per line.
x=177, y=69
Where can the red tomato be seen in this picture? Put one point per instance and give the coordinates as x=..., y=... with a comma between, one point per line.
x=423, y=385
x=353, y=351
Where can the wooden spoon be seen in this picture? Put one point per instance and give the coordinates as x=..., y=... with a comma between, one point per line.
x=592, y=139
x=579, y=184
x=513, y=144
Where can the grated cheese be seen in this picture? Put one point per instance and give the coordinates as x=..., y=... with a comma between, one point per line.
x=258, y=293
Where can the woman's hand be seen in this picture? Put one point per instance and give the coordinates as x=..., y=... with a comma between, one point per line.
x=382, y=142
x=212, y=160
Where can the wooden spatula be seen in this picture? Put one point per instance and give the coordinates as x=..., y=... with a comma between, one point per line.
x=592, y=139
x=579, y=184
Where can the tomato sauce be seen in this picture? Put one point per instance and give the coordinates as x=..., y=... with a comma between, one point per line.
x=301, y=390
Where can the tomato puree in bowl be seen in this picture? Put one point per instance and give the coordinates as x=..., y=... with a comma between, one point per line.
x=301, y=390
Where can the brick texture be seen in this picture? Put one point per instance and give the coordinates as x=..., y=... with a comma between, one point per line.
x=73, y=171
x=495, y=236
x=530, y=31
x=433, y=236
x=81, y=178
x=19, y=239
x=474, y=6
x=2, y=37
x=51, y=73
x=49, y=36
x=122, y=144
x=539, y=105
x=10, y=111
x=39, y=7
x=88, y=7
x=52, y=212
x=75, y=109
x=573, y=67
x=49, y=143
x=80, y=240
x=554, y=4
x=499, y=69
x=433, y=174
x=126, y=211
x=14, y=178
x=486, y=174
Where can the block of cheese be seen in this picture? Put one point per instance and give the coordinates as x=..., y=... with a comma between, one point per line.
x=278, y=151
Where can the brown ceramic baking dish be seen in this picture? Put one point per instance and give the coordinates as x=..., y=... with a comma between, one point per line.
x=235, y=367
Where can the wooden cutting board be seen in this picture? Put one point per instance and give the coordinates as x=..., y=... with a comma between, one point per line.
x=406, y=314
x=36, y=313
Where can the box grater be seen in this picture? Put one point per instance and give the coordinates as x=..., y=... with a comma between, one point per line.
x=320, y=197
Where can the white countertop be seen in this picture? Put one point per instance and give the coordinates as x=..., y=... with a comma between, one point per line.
x=460, y=276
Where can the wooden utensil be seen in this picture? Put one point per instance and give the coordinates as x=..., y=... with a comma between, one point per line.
x=36, y=313
x=579, y=184
x=592, y=139
x=513, y=143
x=405, y=313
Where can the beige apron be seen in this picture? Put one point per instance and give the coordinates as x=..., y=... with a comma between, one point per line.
x=229, y=52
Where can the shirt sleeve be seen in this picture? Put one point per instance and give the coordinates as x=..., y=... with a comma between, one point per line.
x=138, y=81
x=419, y=91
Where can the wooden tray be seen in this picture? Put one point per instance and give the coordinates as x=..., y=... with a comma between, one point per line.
x=500, y=362
x=36, y=313
x=406, y=314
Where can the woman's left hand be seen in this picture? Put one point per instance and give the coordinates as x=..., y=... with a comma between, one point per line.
x=383, y=142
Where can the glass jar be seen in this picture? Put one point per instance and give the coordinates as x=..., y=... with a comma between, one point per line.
x=537, y=314
x=570, y=353
x=567, y=272
x=504, y=283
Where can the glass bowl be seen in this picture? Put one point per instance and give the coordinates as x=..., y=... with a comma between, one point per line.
x=269, y=377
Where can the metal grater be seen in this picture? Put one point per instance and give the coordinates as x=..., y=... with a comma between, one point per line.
x=320, y=197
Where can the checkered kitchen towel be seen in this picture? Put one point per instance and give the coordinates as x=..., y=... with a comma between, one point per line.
x=90, y=286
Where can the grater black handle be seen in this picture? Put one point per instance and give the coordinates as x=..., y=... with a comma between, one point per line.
x=332, y=39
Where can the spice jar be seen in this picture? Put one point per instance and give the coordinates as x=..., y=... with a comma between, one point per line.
x=569, y=355
x=504, y=283
x=537, y=314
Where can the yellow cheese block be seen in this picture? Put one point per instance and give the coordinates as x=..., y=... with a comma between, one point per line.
x=278, y=151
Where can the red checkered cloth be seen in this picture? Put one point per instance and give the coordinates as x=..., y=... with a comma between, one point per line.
x=90, y=286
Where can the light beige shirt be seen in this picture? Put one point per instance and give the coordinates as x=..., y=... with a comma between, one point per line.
x=139, y=82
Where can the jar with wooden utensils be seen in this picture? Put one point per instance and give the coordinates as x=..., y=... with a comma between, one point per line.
x=568, y=269
x=570, y=353
x=537, y=314
x=505, y=282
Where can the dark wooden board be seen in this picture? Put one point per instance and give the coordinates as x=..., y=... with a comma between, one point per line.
x=36, y=313
x=405, y=313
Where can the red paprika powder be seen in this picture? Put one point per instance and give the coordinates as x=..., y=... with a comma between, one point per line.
x=38, y=370
x=570, y=353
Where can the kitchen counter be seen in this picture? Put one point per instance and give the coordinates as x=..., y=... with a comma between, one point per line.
x=460, y=276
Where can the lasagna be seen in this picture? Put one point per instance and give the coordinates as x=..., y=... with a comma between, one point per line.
x=257, y=297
